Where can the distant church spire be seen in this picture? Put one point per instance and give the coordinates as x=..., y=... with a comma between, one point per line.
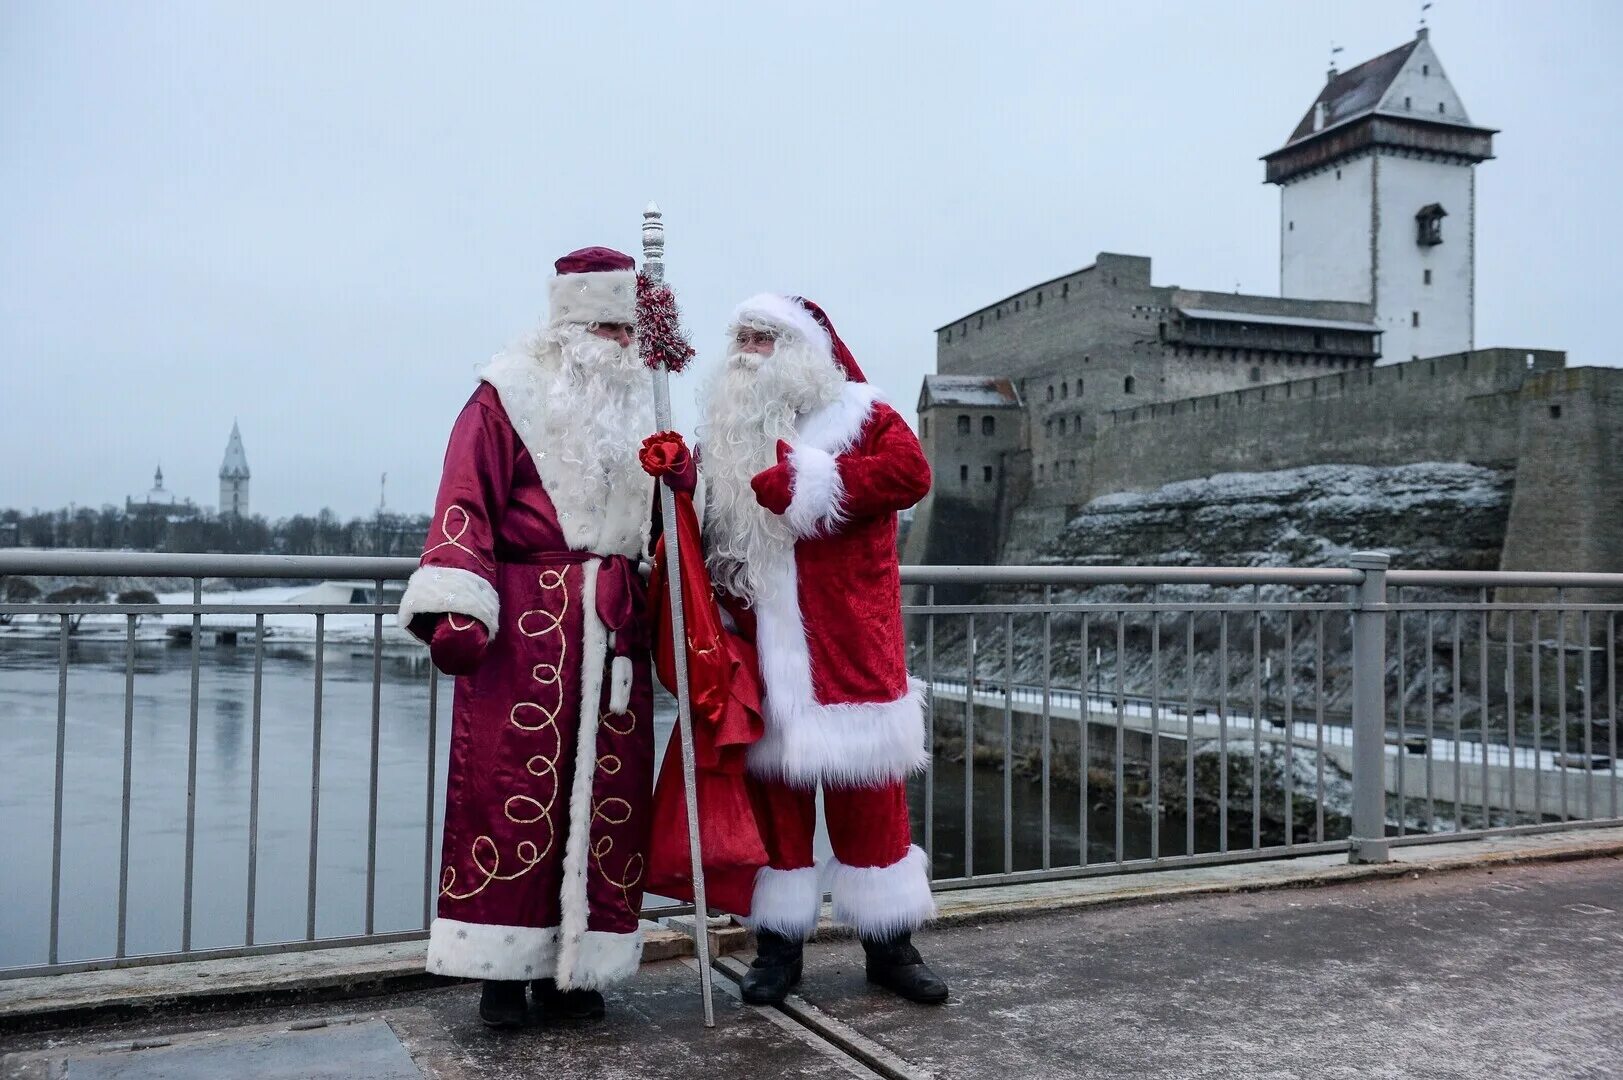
x=234, y=476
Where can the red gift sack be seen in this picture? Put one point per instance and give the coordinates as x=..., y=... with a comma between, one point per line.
x=726, y=705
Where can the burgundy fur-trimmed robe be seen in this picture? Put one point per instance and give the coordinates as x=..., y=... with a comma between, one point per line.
x=548, y=788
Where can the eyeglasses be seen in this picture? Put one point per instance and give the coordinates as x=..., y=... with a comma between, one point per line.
x=755, y=337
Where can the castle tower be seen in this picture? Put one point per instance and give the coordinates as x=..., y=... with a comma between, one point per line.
x=1378, y=201
x=234, y=477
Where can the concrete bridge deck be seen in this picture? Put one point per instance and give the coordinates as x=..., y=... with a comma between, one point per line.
x=1501, y=967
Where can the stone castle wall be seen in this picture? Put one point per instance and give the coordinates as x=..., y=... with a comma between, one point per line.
x=1462, y=408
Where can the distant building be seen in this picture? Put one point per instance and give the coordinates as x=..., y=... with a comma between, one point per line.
x=160, y=501
x=1101, y=381
x=234, y=477
x=1377, y=201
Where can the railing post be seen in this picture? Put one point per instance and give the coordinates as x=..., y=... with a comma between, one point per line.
x=1368, y=842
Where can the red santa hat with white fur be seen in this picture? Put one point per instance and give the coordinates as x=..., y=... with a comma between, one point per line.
x=800, y=317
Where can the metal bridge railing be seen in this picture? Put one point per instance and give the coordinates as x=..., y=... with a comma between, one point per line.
x=1082, y=720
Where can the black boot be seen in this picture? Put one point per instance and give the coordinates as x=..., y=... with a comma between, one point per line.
x=576, y=1004
x=502, y=1003
x=775, y=970
x=895, y=964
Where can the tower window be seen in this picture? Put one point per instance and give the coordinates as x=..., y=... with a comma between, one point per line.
x=1425, y=69
x=1062, y=425
x=1429, y=225
x=963, y=474
x=1065, y=291
x=1291, y=227
x=925, y=424
x=986, y=473
x=1407, y=104
x=1414, y=318
x=1427, y=274
x=1079, y=388
x=1256, y=374
x=1050, y=391
x=1064, y=390
x=1338, y=174
x=963, y=425
x=949, y=337
x=1555, y=412
x=1128, y=385
x=1440, y=107
x=988, y=425
x=1039, y=298
x=1040, y=476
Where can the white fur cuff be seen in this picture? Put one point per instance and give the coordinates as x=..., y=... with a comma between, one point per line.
x=620, y=675
x=817, y=496
x=434, y=589
x=785, y=901
x=466, y=950
x=603, y=959
x=608, y=296
x=879, y=901
x=850, y=745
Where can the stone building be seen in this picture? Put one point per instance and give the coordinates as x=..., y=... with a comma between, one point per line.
x=1377, y=201
x=1101, y=381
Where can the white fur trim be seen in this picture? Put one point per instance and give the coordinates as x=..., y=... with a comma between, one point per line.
x=836, y=427
x=572, y=898
x=619, y=526
x=880, y=901
x=817, y=495
x=786, y=901
x=606, y=296
x=785, y=313
x=468, y=950
x=434, y=589
x=604, y=959
x=620, y=684
x=850, y=744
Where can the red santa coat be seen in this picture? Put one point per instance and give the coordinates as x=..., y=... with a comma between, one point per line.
x=547, y=790
x=840, y=706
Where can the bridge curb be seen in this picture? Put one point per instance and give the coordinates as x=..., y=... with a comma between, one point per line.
x=56, y=1001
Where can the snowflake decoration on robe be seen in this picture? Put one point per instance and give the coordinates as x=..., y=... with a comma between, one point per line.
x=660, y=339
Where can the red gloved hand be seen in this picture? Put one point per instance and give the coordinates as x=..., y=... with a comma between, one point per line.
x=665, y=456
x=773, y=487
x=457, y=644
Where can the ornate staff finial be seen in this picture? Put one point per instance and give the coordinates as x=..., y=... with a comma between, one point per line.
x=653, y=243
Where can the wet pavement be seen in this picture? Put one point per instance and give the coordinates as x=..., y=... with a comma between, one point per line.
x=1514, y=971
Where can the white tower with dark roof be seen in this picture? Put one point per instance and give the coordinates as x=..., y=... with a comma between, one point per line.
x=1378, y=201
x=234, y=477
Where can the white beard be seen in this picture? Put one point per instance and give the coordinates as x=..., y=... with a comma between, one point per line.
x=749, y=405
x=597, y=408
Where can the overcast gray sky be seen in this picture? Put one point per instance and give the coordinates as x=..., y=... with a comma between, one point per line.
x=320, y=218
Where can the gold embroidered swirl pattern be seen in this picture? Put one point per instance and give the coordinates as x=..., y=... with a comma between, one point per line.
x=523, y=809
x=455, y=540
x=616, y=811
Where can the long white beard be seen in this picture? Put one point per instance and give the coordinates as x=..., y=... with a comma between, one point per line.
x=749, y=405
x=597, y=407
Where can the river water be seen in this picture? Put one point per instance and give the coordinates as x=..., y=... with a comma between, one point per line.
x=93, y=780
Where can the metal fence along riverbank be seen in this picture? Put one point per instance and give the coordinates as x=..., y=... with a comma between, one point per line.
x=283, y=789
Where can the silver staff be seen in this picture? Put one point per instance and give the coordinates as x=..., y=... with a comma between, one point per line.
x=653, y=267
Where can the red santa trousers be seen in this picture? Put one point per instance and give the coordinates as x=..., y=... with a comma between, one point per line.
x=879, y=879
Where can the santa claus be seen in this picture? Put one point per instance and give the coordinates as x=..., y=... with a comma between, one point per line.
x=803, y=468
x=528, y=593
